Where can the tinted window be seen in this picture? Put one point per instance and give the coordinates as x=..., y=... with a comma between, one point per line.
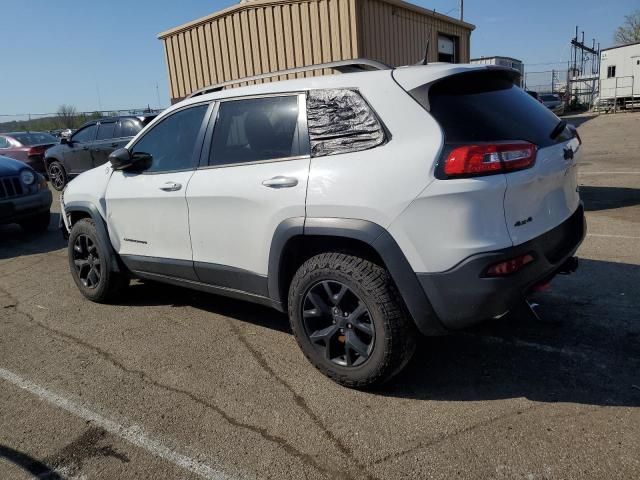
x=106, y=130
x=87, y=134
x=254, y=130
x=34, y=138
x=129, y=127
x=171, y=142
x=487, y=106
x=340, y=121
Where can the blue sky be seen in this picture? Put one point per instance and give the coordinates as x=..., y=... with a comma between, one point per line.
x=103, y=54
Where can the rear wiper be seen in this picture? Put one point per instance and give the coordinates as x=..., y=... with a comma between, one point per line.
x=559, y=129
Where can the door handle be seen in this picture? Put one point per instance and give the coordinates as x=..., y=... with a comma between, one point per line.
x=171, y=187
x=281, y=182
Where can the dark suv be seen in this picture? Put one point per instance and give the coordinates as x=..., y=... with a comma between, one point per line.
x=91, y=145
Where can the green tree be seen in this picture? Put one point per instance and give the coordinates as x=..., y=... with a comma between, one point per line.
x=629, y=31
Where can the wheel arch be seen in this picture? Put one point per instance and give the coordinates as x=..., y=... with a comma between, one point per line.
x=78, y=210
x=296, y=239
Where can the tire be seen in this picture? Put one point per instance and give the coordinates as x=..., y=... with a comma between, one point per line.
x=386, y=328
x=57, y=175
x=37, y=224
x=86, y=255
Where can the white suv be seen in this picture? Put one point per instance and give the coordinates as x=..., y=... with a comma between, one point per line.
x=370, y=206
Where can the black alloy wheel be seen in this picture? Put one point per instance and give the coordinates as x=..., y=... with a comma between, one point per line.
x=57, y=176
x=338, y=323
x=87, y=261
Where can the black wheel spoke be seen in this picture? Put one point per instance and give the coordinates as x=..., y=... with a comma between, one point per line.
x=86, y=260
x=338, y=323
x=81, y=263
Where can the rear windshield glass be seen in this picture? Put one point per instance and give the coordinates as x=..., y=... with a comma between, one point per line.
x=486, y=106
x=34, y=138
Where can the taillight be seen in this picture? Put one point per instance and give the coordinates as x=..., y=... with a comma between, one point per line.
x=33, y=151
x=508, y=267
x=489, y=158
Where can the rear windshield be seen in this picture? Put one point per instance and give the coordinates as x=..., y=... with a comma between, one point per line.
x=34, y=138
x=486, y=106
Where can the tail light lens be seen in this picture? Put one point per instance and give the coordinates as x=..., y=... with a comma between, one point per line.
x=471, y=160
x=35, y=151
x=510, y=266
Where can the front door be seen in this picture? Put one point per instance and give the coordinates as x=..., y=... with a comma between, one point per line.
x=147, y=210
x=77, y=156
x=254, y=176
x=105, y=142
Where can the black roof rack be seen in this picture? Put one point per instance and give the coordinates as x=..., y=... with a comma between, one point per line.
x=343, y=66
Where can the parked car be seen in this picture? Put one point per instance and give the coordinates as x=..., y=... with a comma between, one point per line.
x=28, y=147
x=553, y=102
x=90, y=146
x=370, y=206
x=24, y=196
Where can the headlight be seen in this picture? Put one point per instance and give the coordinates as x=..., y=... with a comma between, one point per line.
x=27, y=177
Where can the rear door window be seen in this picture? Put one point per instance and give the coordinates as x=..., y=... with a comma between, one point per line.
x=340, y=121
x=486, y=106
x=171, y=143
x=129, y=127
x=254, y=130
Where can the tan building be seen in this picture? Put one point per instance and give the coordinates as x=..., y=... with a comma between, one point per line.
x=262, y=36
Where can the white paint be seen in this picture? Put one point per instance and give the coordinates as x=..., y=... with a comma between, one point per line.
x=133, y=434
x=602, y=235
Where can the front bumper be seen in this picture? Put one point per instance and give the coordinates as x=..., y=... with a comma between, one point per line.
x=19, y=208
x=461, y=296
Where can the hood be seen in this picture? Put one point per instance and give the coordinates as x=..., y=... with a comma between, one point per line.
x=9, y=166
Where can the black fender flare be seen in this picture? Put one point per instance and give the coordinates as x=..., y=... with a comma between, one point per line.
x=380, y=240
x=101, y=228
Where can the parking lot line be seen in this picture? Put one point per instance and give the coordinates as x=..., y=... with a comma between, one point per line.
x=604, y=235
x=133, y=434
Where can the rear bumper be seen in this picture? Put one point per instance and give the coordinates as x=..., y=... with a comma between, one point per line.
x=461, y=296
x=20, y=208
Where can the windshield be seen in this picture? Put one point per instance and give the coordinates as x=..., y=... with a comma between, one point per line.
x=486, y=106
x=34, y=138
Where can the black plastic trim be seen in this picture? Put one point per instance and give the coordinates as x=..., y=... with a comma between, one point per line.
x=101, y=228
x=286, y=230
x=162, y=266
x=231, y=277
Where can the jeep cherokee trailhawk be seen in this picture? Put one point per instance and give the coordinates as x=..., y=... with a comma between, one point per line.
x=371, y=206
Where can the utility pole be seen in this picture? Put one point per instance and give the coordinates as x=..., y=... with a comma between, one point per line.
x=461, y=10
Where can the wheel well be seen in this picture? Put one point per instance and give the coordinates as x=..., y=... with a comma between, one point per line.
x=302, y=247
x=76, y=215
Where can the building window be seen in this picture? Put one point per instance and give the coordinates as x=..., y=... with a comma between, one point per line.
x=447, y=48
x=611, y=71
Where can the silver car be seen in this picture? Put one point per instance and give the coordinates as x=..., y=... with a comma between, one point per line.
x=553, y=102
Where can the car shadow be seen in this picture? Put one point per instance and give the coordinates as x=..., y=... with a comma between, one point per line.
x=587, y=351
x=607, y=198
x=15, y=242
x=29, y=464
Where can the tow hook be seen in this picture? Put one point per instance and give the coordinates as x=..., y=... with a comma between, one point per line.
x=569, y=266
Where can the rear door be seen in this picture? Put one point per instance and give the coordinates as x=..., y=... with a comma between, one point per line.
x=485, y=106
x=254, y=176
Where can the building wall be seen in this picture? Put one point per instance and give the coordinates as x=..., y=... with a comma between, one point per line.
x=627, y=76
x=396, y=33
x=263, y=36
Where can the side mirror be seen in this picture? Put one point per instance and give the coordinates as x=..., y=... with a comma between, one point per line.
x=123, y=159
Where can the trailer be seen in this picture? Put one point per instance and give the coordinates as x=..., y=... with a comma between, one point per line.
x=619, y=87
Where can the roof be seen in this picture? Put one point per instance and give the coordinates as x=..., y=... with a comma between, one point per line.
x=620, y=46
x=258, y=3
x=496, y=56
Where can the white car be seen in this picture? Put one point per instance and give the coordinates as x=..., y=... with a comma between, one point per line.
x=370, y=206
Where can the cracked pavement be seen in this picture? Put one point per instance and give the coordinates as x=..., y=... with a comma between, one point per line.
x=223, y=383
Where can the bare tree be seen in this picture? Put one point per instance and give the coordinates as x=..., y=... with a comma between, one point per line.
x=67, y=116
x=629, y=31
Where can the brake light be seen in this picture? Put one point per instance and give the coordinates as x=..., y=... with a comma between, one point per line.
x=508, y=267
x=489, y=158
x=33, y=151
